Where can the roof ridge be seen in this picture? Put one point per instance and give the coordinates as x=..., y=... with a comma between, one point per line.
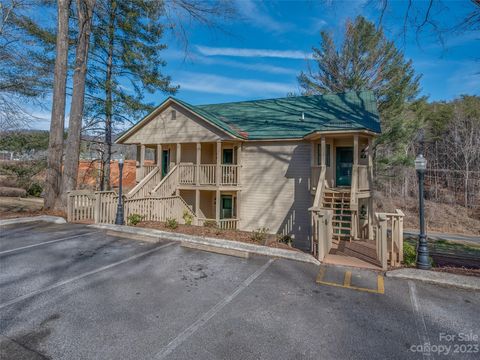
x=285, y=97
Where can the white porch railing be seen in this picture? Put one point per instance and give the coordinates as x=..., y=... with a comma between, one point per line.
x=229, y=174
x=389, y=247
x=208, y=173
x=186, y=174
x=224, y=224
x=157, y=209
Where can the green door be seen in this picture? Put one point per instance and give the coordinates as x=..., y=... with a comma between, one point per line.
x=165, y=162
x=227, y=156
x=344, y=162
x=226, y=210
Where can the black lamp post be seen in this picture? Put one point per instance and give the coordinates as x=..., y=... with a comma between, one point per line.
x=119, y=217
x=423, y=261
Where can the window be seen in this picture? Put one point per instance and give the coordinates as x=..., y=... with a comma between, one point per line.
x=227, y=156
x=173, y=114
x=327, y=153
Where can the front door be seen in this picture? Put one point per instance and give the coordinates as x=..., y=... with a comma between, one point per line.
x=344, y=160
x=165, y=162
x=226, y=209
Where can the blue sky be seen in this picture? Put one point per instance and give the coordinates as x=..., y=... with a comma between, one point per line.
x=260, y=53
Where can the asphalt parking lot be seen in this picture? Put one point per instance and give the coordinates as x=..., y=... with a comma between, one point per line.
x=74, y=292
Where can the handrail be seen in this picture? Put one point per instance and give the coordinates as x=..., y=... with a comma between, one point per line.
x=145, y=183
x=168, y=184
x=389, y=247
x=322, y=232
x=224, y=224
x=320, y=187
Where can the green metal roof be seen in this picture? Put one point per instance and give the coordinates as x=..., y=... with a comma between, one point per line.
x=282, y=118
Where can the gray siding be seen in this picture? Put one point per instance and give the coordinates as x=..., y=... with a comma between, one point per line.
x=275, y=193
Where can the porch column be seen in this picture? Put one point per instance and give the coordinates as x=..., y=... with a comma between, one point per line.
x=159, y=155
x=219, y=162
x=197, y=203
x=239, y=162
x=355, y=150
x=217, y=207
x=370, y=158
x=371, y=212
x=323, y=151
x=199, y=159
x=179, y=153
x=142, y=160
x=237, y=205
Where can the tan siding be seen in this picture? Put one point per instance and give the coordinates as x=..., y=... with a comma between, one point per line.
x=186, y=128
x=275, y=188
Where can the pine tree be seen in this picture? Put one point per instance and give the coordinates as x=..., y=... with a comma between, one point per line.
x=366, y=60
x=125, y=63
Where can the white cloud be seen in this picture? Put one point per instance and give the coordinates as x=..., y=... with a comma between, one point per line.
x=215, y=84
x=256, y=14
x=245, y=52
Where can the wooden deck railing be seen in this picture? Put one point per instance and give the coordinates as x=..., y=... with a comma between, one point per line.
x=157, y=209
x=187, y=174
x=208, y=173
x=168, y=185
x=148, y=183
x=229, y=174
x=224, y=224
x=322, y=232
x=315, y=175
x=389, y=244
x=320, y=187
x=105, y=207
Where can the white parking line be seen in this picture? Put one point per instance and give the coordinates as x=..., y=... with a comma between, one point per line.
x=421, y=328
x=75, y=278
x=46, y=242
x=185, y=334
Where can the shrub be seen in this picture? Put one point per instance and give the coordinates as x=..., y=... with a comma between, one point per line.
x=134, y=219
x=210, y=224
x=35, y=190
x=409, y=254
x=285, y=239
x=171, y=223
x=187, y=217
x=259, y=235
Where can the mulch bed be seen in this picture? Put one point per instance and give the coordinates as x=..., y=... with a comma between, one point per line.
x=458, y=271
x=19, y=214
x=204, y=231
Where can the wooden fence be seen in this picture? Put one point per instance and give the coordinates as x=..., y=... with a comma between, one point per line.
x=389, y=244
x=101, y=207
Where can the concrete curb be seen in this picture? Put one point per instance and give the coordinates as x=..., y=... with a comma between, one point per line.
x=219, y=243
x=437, y=277
x=22, y=220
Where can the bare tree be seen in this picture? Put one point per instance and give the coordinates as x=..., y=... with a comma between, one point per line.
x=57, y=124
x=85, y=13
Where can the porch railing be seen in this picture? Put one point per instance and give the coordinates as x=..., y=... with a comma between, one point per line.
x=389, y=244
x=208, y=173
x=224, y=224
x=168, y=185
x=229, y=174
x=322, y=232
x=362, y=173
x=187, y=174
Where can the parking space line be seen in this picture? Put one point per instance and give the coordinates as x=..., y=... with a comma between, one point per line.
x=347, y=282
x=46, y=242
x=81, y=276
x=189, y=331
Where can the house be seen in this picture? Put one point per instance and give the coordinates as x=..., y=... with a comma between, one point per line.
x=286, y=164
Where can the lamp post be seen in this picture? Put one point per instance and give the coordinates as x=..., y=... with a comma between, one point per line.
x=423, y=261
x=119, y=217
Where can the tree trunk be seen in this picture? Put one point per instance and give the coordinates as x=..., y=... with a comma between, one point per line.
x=108, y=97
x=57, y=123
x=70, y=171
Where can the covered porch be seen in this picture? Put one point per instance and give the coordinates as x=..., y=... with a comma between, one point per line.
x=205, y=164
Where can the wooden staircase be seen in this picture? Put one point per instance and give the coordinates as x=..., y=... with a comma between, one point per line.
x=339, y=202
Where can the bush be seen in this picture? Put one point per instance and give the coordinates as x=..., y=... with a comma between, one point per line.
x=210, y=224
x=35, y=190
x=285, y=239
x=409, y=254
x=187, y=217
x=259, y=235
x=171, y=223
x=134, y=219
